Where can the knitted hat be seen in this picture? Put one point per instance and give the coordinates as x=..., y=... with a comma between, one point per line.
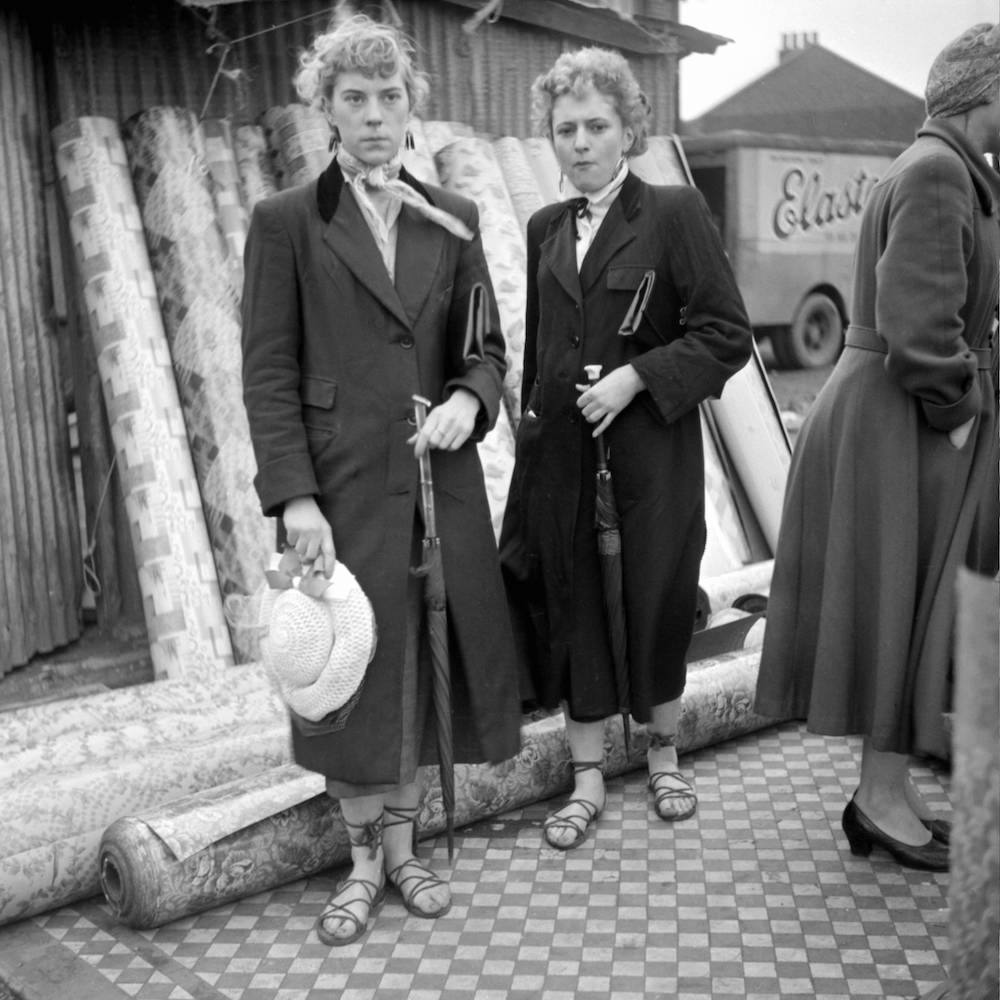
x=319, y=639
x=966, y=72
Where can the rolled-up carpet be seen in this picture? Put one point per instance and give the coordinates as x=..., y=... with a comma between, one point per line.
x=542, y=158
x=177, y=576
x=469, y=167
x=496, y=456
x=646, y=167
x=755, y=443
x=419, y=160
x=227, y=191
x=255, y=163
x=302, y=136
x=54, y=860
x=750, y=581
x=154, y=870
x=438, y=134
x=52, y=721
x=199, y=302
x=522, y=183
x=121, y=735
x=726, y=545
x=268, y=127
x=663, y=149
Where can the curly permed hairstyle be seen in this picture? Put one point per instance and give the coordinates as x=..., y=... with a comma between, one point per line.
x=608, y=73
x=357, y=44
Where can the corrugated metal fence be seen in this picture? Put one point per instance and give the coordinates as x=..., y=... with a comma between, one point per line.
x=40, y=578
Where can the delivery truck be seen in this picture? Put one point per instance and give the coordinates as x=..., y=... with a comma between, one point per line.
x=789, y=210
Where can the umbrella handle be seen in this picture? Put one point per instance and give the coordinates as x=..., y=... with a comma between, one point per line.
x=420, y=408
x=593, y=377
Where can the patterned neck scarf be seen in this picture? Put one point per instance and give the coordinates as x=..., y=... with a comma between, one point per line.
x=385, y=178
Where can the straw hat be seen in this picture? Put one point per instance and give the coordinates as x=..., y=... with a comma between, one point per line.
x=319, y=637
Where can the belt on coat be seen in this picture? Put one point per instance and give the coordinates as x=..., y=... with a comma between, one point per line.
x=867, y=339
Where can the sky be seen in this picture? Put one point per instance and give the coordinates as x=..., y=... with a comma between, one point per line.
x=896, y=39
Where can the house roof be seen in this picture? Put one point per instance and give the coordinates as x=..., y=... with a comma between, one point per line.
x=815, y=92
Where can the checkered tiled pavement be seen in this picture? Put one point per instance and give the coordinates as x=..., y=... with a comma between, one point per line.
x=757, y=896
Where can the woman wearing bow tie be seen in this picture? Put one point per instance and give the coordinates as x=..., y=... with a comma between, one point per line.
x=586, y=259
x=356, y=297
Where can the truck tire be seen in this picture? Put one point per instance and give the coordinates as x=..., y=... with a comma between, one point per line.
x=816, y=336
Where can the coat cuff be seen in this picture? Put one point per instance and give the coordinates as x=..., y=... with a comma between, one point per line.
x=481, y=382
x=284, y=480
x=947, y=416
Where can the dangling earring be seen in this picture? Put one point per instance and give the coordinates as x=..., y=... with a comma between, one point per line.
x=408, y=142
x=562, y=177
x=334, y=139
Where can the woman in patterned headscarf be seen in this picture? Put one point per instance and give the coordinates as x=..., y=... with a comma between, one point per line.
x=893, y=482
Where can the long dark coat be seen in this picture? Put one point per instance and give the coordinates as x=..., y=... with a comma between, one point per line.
x=881, y=508
x=694, y=336
x=333, y=354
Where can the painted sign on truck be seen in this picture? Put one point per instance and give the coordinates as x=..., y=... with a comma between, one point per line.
x=789, y=209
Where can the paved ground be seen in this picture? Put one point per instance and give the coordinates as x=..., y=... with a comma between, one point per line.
x=755, y=897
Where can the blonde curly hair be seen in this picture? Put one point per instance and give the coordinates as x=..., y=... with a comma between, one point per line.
x=609, y=74
x=357, y=44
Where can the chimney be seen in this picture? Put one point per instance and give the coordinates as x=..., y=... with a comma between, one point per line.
x=794, y=42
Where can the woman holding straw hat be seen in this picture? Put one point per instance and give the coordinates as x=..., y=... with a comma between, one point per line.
x=588, y=259
x=356, y=297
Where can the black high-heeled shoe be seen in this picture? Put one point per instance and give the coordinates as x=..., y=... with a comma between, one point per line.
x=862, y=834
x=940, y=829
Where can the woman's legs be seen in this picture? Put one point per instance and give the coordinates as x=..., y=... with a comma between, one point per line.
x=424, y=893
x=567, y=826
x=673, y=795
x=347, y=914
x=882, y=795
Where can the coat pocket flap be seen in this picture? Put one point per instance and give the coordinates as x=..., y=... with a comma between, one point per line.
x=318, y=392
x=627, y=276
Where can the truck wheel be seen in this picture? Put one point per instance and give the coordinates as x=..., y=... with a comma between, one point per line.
x=816, y=336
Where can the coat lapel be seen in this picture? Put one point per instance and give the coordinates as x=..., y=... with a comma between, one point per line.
x=349, y=238
x=615, y=233
x=558, y=251
x=419, y=246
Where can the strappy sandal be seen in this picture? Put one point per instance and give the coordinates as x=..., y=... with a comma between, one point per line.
x=412, y=883
x=575, y=822
x=669, y=802
x=369, y=894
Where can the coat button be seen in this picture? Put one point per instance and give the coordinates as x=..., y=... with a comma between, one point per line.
x=406, y=343
x=574, y=341
x=411, y=420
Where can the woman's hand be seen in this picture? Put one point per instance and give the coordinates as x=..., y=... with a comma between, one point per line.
x=448, y=425
x=309, y=533
x=960, y=434
x=602, y=402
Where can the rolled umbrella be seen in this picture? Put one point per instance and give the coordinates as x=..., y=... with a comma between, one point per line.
x=432, y=571
x=607, y=523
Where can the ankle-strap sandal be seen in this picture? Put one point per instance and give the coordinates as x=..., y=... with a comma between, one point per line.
x=399, y=816
x=368, y=895
x=365, y=892
x=579, y=822
x=673, y=795
x=412, y=878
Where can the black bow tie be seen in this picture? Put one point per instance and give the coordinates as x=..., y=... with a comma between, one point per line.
x=580, y=207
